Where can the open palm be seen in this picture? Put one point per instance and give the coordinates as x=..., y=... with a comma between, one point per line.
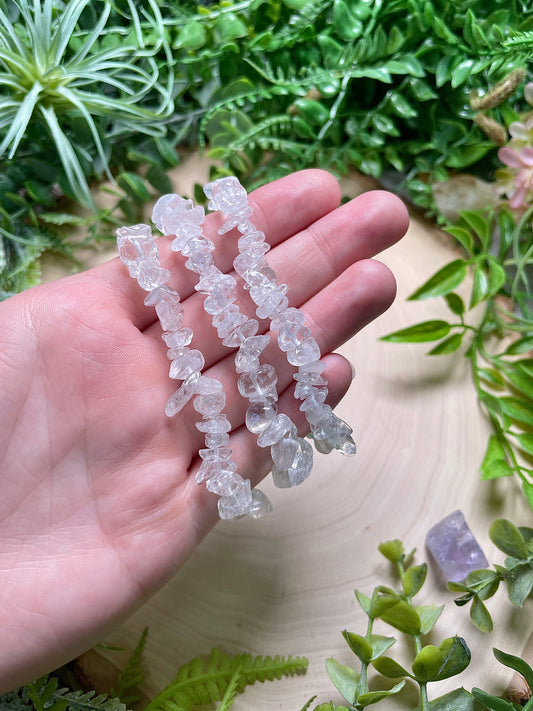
x=98, y=503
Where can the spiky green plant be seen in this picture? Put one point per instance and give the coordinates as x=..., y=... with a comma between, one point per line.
x=53, y=75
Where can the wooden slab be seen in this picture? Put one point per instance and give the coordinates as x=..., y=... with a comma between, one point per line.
x=284, y=585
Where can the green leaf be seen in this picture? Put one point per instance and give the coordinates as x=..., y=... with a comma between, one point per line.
x=456, y=700
x=521, y=345
x=344, y=679
x=134, y=186
x=463, y=236
x=527, y=488
x=521, y=380
x=392, y=550
x=526, y=442
x=517, y=409
x=381, y=603
x=442, y=282
x=364, y=601
x=157, y=177
x=380, y=645
x=419, y=333
x=519, y=582
x=390, y=668
x=506, y=536
x=414, y=579
x=347, y=25
x=480, y=615
x=403, y=617
x=479, y=223
x=359, y=646
x=492, y=377
x=448, y=345
x=519, y=665
x=455, y=304
x=406, y=64
x=485, y=582
x=401, y=106
x=497, y=277
x=428, y=615
x=480, y=288
x=191, y=36
x=495, y=703
x=373, y=697
x=456, y=657
x=230, y=27
x=461, y=72
x=494, y=464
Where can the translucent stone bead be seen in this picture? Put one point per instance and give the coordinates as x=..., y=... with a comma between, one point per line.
x=136, y=245
x=302, y=464
x=216, y=454
x=316, y=366
x=225, y=483
x=275, y=303
x=303, y=389
x=188, y=363
x=170, y=314
x=160, y=294
x=319, y=413
x=210, y=468
x=212, y=278
x=184, y=233
x=221, y=316
x=183, y=394
x=259, y=415
x=260, y=276
x=226, y=194
x=247, y=357
x=314, y=400
x=245, y=363
x=251, y=239
x=284, y=450
x=259, y=384
x=243, y=262
x=219, y=423
x=261, y=504
x=170, y=211
x=221, y=296
x=330, y=433
x=216, y=439
x=199, y=262
x=232, y=321
x=236, y=219
x=209, y=386
x=275, y=431
x=291, y=315
x=238, y=503
x=177, y=339
x=280, y=477
x=151, y=275
x=166, y=205
x=247, y=329
x=210, y=404
x=197, y=245
x=305, y=352
x=291, y=335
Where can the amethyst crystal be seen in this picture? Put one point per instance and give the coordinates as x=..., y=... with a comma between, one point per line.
x=454, y=548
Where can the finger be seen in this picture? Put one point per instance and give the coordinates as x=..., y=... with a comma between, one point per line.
x=281, y=209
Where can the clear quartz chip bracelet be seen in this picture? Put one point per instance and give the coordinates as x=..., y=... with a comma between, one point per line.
x=328, y=431
x=138, y=250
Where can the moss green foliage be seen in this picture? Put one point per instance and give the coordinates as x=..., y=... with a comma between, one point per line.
x=90, y=87
x=199, y=682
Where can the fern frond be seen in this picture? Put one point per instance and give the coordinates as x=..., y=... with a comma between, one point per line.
x=521, y=41
x=85, y=701
x=220, y=678
x=133, y=674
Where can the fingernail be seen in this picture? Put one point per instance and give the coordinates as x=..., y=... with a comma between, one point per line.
x=353, y=370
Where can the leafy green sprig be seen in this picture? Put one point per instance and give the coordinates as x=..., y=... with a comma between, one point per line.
x=517, y=573
x=397, y=609
x=499, y=256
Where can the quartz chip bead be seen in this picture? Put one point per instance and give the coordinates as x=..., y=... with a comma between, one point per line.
x=298, y=471
x=183, y=394
x=136, y=246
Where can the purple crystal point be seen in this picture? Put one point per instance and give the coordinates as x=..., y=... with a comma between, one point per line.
x=454, y=548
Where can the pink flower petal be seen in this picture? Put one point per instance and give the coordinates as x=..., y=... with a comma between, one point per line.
x=509, y=157
x=517, y=198
x=526, y=156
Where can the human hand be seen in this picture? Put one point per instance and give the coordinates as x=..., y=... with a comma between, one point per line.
x=99, y=506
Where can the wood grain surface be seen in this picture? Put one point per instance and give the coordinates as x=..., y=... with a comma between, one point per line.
x=284, y=584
